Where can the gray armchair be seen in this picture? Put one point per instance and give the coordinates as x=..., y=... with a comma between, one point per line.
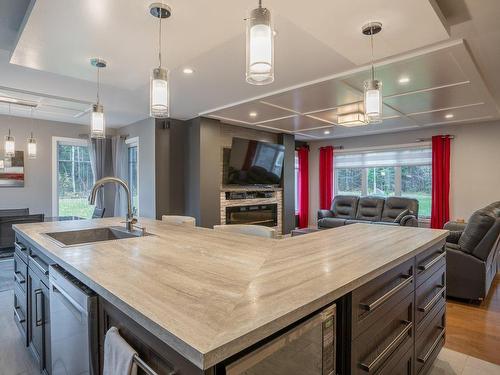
x=472, y=251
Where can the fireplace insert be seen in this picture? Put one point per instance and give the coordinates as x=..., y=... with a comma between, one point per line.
x=257, y=214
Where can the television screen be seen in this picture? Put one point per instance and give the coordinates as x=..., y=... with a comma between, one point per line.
x=255, y=163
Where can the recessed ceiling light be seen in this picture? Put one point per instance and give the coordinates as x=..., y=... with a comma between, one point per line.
x=404, y=80
x=326, y=132
x=449, y=115
x=188, y=71
x=252, y=114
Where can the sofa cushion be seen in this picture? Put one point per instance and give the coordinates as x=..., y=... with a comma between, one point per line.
x=345, y=206
x=479, y=224
x=370, y=208
x=393, y=206
x=331, y=222
x=355, y=221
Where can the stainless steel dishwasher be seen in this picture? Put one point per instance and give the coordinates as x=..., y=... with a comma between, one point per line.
x=73, y=313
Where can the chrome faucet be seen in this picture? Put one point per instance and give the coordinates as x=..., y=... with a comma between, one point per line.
x=129, y=219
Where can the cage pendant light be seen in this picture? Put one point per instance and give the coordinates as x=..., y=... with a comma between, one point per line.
x=159, y=85
x=372, y=87
x=260, y=47
x=31, y=143
x=98, y=123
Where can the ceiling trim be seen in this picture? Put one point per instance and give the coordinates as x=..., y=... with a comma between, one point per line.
x=398, y=58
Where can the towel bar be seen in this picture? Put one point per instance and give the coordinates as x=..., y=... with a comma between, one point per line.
x=145, y=367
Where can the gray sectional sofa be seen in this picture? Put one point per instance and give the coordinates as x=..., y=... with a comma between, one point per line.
x=472, y=252
x=351, y=209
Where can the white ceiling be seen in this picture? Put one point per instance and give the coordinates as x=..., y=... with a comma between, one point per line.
x=314, y=40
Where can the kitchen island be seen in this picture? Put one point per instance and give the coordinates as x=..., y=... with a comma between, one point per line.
x=201, y=299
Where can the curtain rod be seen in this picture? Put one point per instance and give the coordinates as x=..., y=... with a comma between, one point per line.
x=340, y=147
x=430, y=139
x=86, y=136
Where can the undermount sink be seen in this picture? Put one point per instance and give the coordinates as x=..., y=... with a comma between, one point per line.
x=87, y=236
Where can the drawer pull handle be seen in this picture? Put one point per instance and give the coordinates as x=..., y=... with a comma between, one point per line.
x=18, y=278
x=432, y=262
x=33, y=259
x=434, y=299
x=38, y=322
x=379, y=301
x=388, y=349
x=19, y=246
x=433, y=346
x=18, y=317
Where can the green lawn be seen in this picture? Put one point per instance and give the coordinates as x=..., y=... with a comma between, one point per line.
x=75, y=207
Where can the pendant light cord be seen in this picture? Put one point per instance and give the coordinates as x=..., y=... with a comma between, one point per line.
x=159, y=39
x=373, y=59
x=98, y=83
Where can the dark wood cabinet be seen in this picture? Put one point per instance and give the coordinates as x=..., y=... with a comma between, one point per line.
x=35, y=302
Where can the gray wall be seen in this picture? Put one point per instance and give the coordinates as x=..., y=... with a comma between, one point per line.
x=145, y=130
x=288, y=182
x=204, y=159
x=37, y=191
x=475, y=158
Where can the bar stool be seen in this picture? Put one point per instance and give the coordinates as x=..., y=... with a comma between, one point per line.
x=179, y=220
x=251, y=230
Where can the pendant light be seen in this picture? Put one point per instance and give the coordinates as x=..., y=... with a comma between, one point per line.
x=159, y=86
x=372, y=87
x=10, y=146
x=260, y=47
x=98, y=124
x=31, y=142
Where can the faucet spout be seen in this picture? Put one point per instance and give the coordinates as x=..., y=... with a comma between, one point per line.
x=129, y=219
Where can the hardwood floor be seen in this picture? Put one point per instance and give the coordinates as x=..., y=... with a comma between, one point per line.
x=475, y=329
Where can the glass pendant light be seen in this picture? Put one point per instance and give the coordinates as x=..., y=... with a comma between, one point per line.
x=10, y=146
x=260, y=47
x=97, y=123
x=32, y=142
x=372, y=87
x=159, y=86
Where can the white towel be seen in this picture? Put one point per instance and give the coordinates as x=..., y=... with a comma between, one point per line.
x=118, y=355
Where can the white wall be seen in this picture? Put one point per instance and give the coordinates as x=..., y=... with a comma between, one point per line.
x=475, y=163
x=145, y=130
x=37, y=191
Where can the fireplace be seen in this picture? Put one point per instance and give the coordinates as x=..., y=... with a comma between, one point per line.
x=257, y=214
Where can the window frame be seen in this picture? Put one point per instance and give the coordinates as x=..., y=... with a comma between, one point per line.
x=397, y=169
x=129, y=143
x=55, y=142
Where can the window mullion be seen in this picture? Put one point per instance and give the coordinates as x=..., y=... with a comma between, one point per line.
x=397, y=181
x=364, y=182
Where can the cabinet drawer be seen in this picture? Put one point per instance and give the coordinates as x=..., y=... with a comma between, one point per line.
x=372, y=349
x=401, y=362
x=39, y=263
x=430, y=342
x=378, y=297
x=20, y=312
x=21, y=250
x=429, y=262
x=430, y=293
x=20, y=272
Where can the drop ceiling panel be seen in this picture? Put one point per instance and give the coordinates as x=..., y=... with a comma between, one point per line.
x=459, y=115
x=242, y=112
x=430, y=70
x=316, y=97
x=447, y=97
x=295, y=124
x=331, y=114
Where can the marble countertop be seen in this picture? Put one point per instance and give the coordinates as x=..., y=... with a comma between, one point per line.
x=209, y=294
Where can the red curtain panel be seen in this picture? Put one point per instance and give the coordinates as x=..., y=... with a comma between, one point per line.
x=440, y=213
x=303, y=154
x=325, y=177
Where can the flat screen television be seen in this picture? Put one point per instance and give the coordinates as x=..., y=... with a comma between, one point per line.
x=255, y=163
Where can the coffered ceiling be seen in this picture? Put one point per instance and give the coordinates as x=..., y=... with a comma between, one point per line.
x=433, y=86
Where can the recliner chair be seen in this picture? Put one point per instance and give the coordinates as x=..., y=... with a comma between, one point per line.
x=472, y=251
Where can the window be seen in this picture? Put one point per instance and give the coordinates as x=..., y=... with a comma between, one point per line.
x=73, y=178
x=133, y=171
x=404, y=172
